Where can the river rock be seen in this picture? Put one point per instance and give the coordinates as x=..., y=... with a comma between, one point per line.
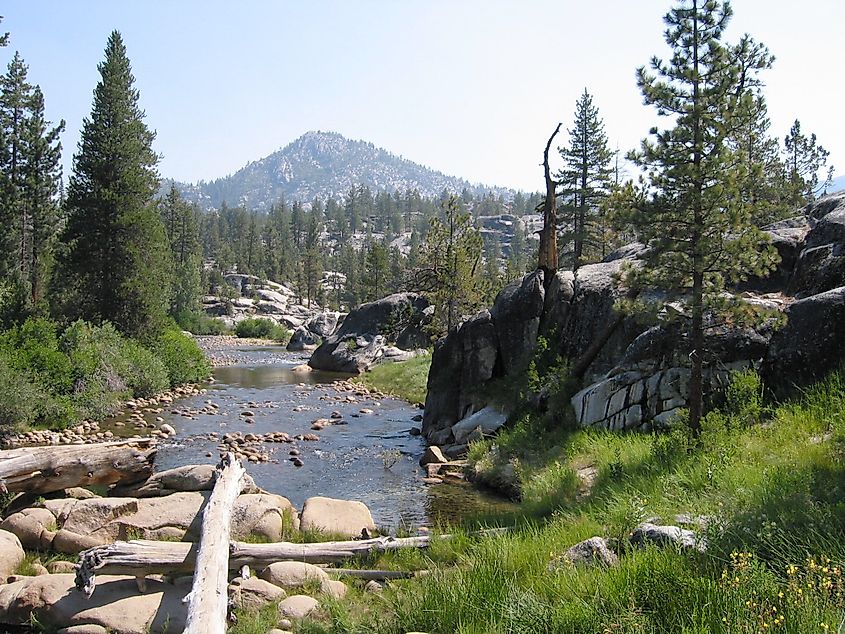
x=89, y=628
x=298, y=606
x=103, y=520
x=116, y=605
x=335, y=517
x=649, y=533
x=489, y=420
x=432, y=455
x=11, y=553
x=590, y=552
x=254, y=593
x=292, y=574
x=334, y=589
x=185, y=478
x=30, y=526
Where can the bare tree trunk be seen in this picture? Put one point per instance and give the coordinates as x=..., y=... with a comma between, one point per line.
x=40, y=470
x=208, y=600
x=141, y=557
x=547, y=259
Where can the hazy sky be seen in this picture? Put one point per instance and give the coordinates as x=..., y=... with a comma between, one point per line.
x=469, y=87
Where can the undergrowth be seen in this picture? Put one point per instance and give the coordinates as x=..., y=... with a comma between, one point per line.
x=403, y=379
x=764, y=485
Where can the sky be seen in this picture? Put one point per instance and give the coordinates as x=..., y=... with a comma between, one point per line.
x=472, y=88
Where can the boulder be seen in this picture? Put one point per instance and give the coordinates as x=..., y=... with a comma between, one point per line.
x=254, y=593
x=334, y=589
x=30, y=526
x=594, y=551
x=292, y=574
x=810, y=345
x=186, y=478
x=360, y=341
x=11, y=553
x=303, y=339
x=298, y=606
x=432, y=455
x=489, y=420
x=175, y=516
x=53, y=601
x=325, y=324
x=335, y=517
x=649, y=533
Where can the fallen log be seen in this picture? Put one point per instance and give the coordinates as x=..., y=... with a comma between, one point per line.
x=141, y=557
x=208, y=600
x=38, y=470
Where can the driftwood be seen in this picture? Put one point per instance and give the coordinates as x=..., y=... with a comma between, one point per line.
x=208, y=599
x=38, y=470
x=141, y=557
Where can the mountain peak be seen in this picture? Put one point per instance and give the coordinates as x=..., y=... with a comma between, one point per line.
x=324, y=164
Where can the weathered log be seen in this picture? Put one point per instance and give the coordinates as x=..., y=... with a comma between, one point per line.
x=41, y=470
x=208, y=599
x=141, y=557
x=547, y=253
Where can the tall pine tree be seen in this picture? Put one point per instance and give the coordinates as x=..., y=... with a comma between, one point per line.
x=691, y=214
x=115, y=267
x=586, y=178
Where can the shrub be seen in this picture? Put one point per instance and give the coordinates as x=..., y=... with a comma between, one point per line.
x=33, y=347
x=182, y=357
x=146, y=373
x=743, y=397
x=262, y=329
x=199, y=323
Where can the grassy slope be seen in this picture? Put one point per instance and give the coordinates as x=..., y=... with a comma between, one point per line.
x=405, y=379
x=773, y=491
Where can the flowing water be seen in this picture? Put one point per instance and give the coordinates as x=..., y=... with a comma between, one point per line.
x=372, y=458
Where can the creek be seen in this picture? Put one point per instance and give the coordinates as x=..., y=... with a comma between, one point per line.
x=371, y=458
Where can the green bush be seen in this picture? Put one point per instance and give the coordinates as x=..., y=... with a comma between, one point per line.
x=262, y=329
x=33, y=347
x=147, y=374
x=182, y=357
x=199, y=323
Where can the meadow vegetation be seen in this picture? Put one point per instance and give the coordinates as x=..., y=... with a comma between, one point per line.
x=404, y=379
x=763, y=485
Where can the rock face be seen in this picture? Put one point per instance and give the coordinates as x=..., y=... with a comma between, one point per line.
x=634, y=376
x=811, y=344
x=270, y=300
x=367, y=332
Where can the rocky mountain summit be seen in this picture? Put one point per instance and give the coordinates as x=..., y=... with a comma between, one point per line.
x=636, y=376
x=323, y=164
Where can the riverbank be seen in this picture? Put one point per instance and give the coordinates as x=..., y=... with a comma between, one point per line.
x=741, y=531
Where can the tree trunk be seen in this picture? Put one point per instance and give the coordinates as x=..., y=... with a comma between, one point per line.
x=696, y=384
x=41, y=470
x=547, y=259
x=208, y=599
x=141, y=557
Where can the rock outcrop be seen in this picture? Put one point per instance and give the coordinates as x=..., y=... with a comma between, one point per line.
x=636, y=376
x=370, y=332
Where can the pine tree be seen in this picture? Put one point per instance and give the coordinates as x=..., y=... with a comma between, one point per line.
x=377, y=271
x=451, y=266
x=31, y=178
x=180, y=223
x=587, y=178
x=690, y=212
x=115, y=264
x=803, y=158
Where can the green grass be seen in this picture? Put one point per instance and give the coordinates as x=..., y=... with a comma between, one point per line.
x=770, y=481
x=403, y=379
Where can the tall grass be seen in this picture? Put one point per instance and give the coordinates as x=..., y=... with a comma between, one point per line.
x=766, y=484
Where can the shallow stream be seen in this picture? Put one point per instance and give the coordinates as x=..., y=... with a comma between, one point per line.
x=372, y=458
